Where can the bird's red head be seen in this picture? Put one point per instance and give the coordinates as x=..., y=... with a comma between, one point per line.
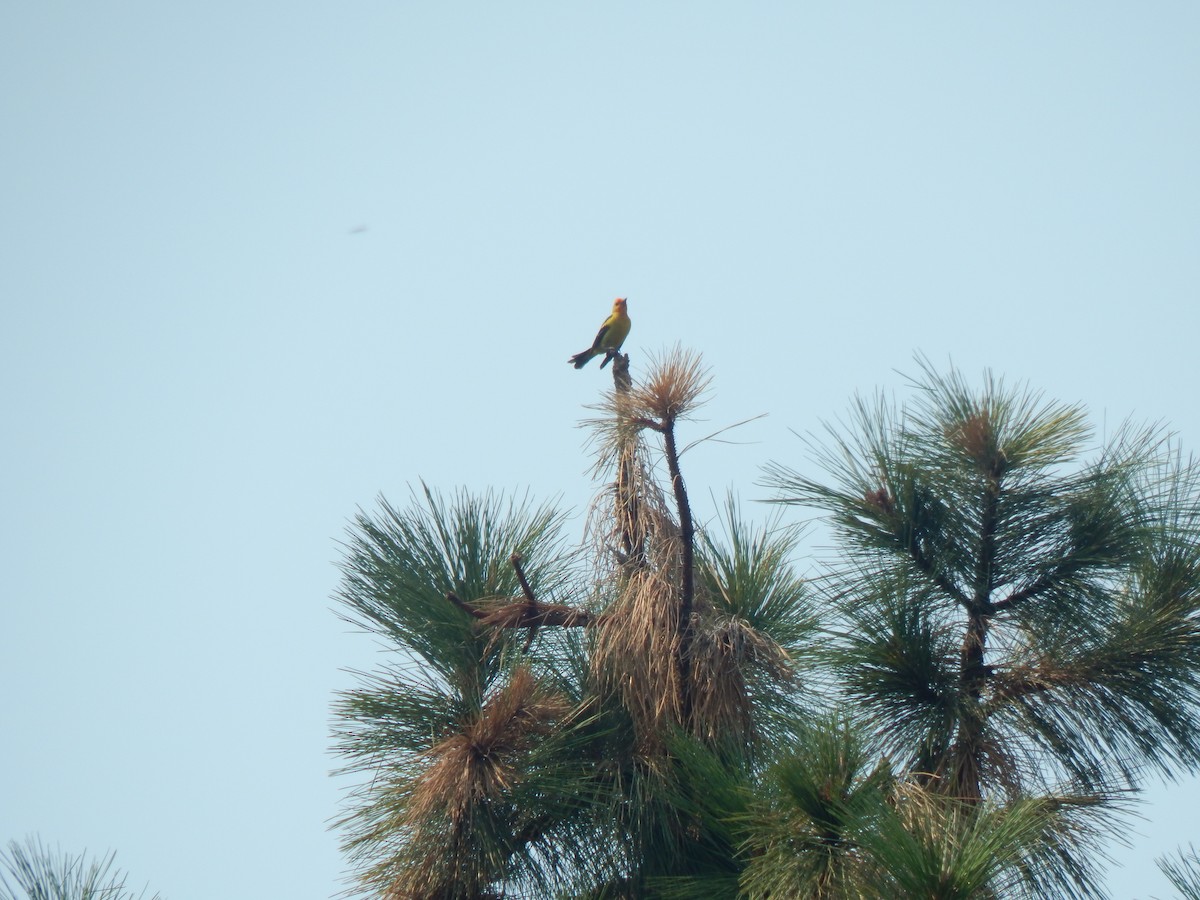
x=619, y=304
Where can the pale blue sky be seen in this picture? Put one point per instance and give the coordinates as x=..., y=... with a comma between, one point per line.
x=208, y=367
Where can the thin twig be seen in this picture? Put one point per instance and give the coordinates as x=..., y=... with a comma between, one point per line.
x=530, y=600
x=652, y=424
x=709, y=437
x=464, y=606
x=515, y=559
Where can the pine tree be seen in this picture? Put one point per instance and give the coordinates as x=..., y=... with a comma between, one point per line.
x=33, y=871
x=1004, y=643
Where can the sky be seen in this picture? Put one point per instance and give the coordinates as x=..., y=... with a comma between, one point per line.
x=261, y=263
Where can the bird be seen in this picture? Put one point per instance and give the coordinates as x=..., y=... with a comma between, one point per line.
x=609, y=338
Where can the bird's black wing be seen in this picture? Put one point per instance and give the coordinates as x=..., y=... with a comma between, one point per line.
x=597, y=343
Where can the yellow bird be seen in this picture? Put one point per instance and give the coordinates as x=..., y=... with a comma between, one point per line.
x=609, y=338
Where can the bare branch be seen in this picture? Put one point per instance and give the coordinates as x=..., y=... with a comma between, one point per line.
x=687, y=539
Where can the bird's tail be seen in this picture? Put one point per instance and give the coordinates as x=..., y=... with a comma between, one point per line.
x=579, y=360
